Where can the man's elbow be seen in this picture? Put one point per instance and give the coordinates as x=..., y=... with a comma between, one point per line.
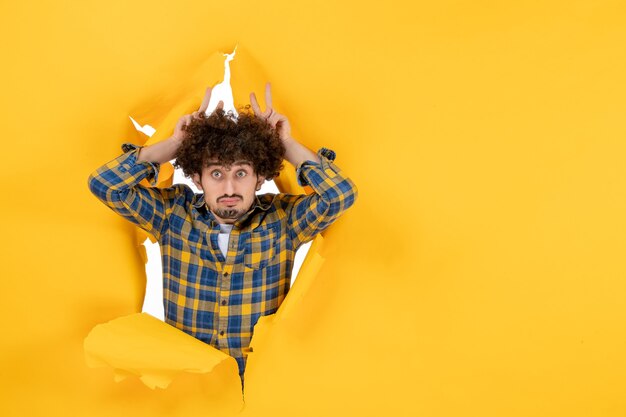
x=98, y=188
x=354, y=195
x=342, y=198
x=93, y=184
x=349, y=194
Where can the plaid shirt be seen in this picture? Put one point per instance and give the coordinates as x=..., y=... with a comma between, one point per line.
x=214, y=298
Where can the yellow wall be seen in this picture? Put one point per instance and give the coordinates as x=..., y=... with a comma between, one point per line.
x=481, y=271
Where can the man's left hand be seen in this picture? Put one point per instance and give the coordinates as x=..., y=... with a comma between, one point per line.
x=277, y=121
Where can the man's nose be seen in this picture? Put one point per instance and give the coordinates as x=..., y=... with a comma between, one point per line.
x=229, y=187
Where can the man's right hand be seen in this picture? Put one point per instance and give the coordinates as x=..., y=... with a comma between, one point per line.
x=166, y=150
x=179, y=130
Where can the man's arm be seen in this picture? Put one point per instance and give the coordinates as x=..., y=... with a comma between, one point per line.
x=334, y=192
x=296, y=153
x=160, y=152
x=116, y=183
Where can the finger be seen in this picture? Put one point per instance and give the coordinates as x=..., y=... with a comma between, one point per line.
x=268, y=96
x=220, y=105
x=255, y=104
x=180, y=126
x=205, y=100
x=274, y=119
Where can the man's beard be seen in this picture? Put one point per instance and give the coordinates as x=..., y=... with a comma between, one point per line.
x=228, y=213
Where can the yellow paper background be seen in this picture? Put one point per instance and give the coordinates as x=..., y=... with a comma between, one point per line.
x=481, y=271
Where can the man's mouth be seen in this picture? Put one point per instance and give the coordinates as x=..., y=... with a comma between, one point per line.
x=232, y=200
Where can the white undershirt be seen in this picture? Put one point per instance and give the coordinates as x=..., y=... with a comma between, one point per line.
x=223, y=237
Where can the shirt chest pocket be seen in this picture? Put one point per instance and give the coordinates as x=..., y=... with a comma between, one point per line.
x=260, y=248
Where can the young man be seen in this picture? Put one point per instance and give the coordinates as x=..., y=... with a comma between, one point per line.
x=227, y=253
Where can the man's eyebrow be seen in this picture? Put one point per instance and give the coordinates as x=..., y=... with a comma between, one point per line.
x=210, y=164
x=242, y=163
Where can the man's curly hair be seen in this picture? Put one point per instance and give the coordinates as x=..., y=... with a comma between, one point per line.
x=226, y=139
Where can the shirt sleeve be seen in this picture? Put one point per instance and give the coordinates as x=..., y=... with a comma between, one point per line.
x=116, y=184
x=333, y=194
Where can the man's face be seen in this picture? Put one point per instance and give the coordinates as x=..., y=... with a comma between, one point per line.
x=229, y=191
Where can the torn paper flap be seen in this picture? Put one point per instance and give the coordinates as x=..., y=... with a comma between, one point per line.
x=150, y=349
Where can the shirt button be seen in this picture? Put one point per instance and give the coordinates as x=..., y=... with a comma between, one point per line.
x=222, y=333
x=223, y=302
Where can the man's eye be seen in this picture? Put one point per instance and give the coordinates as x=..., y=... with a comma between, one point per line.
x=241, y=174
x=216, y=174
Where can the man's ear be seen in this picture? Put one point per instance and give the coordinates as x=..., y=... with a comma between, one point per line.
x=196, y=180
x=260, y=179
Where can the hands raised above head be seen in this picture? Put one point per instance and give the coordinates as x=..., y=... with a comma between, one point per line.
x=295, y=152
x=276, y=120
